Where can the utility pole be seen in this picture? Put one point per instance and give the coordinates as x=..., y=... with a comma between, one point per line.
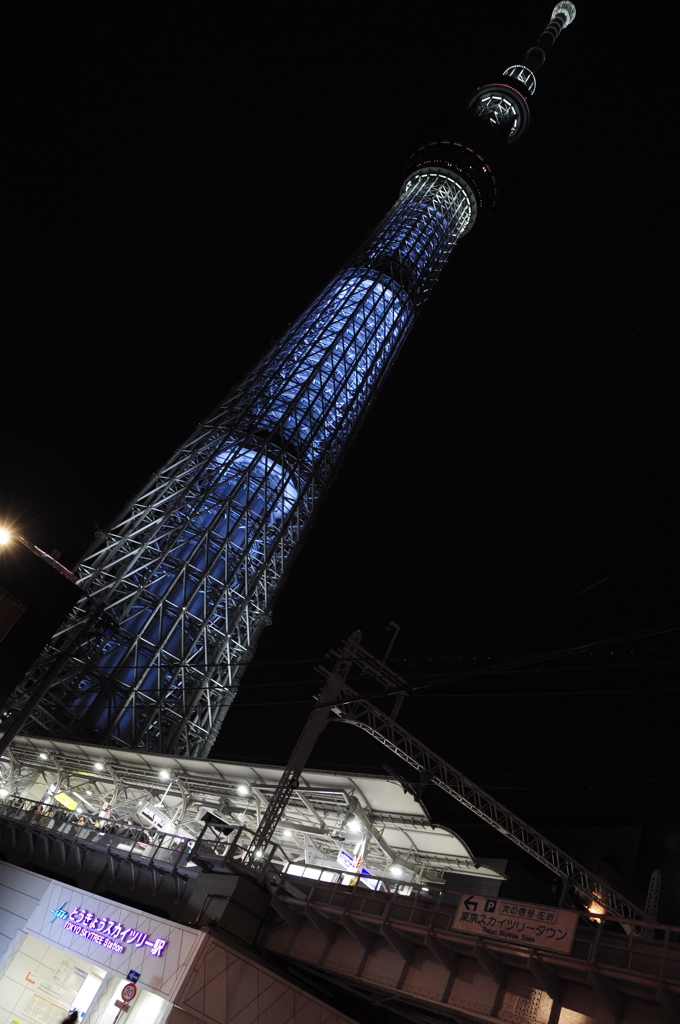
x=289, y=781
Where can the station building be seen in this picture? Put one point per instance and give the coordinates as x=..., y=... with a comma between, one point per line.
x=121, y=893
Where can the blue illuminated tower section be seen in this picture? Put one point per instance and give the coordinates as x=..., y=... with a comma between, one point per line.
x=178, y=590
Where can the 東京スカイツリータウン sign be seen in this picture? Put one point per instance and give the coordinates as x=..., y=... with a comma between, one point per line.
x=527, y=924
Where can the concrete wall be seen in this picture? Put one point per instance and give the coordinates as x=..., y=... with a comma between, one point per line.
x=20, y=893
x=225, y=986
x=91, y=870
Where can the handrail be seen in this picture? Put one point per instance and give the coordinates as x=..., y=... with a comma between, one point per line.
x=59, y=822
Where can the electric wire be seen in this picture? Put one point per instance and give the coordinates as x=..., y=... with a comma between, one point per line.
x=574, y=596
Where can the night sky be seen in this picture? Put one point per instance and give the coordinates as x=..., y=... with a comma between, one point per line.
x=185, y=180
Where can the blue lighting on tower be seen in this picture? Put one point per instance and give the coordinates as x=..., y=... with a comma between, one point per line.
x=186, y=578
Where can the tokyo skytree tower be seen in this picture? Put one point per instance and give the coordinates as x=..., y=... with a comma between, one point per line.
x=179, y=588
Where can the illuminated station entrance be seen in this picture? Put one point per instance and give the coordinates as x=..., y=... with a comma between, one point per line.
x=77, y=951
x=45, y=982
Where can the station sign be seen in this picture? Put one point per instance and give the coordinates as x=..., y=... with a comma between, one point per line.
x=105, y=931
x=116, y=937
x=524, y=924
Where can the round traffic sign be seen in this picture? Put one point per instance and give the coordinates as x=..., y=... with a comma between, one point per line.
x=129, y=992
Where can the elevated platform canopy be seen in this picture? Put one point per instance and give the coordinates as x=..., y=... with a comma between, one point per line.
x=332, y=820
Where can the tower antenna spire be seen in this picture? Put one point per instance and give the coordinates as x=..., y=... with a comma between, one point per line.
x=503, y=105
x=563, y=14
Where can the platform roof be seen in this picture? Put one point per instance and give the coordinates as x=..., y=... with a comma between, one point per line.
x=329, y=812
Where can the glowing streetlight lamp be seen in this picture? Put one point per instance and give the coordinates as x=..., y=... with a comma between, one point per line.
x=11, y=727
x=8, y=537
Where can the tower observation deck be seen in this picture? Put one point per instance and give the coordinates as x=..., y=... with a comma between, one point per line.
x=177, y=591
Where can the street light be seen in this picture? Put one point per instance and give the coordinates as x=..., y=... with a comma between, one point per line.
x=95, y=614
x=8, y=536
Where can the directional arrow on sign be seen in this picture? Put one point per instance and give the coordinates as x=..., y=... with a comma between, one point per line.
x=470, y=904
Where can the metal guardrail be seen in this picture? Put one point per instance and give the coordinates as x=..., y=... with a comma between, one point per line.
x=167, y=852
x=164, y=851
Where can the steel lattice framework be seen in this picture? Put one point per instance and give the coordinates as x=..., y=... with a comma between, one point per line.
x=178, y=590
x=190, y=570
x=365, y=716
